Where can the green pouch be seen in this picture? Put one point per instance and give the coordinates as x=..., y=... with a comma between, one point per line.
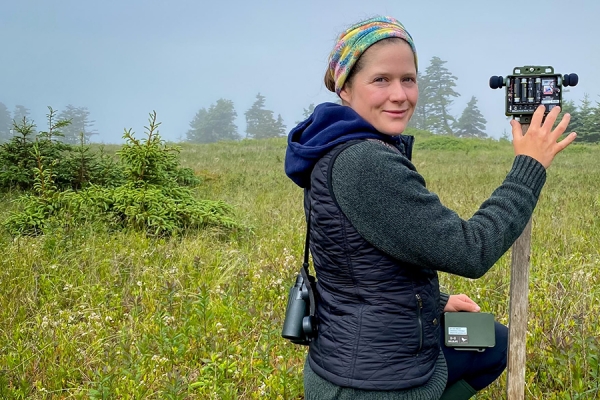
x=469, y=330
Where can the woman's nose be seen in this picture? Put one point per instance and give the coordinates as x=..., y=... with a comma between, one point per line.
x=397, y=92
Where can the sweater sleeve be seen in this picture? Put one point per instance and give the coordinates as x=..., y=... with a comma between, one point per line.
x=385, y=199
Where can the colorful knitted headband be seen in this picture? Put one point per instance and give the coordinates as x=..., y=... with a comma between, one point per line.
x=356, y=40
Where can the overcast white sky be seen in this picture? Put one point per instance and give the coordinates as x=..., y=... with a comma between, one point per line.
x=124, y=58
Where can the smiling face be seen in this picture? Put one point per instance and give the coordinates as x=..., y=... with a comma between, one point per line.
x=383, y=89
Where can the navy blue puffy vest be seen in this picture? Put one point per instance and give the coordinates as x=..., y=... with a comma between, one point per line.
x=378, y=318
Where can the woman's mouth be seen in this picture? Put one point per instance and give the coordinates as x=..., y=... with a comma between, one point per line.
x=395, y=113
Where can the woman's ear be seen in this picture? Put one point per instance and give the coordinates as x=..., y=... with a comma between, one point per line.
x=345, y=95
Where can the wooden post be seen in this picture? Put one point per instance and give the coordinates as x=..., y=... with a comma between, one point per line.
x=517, y=322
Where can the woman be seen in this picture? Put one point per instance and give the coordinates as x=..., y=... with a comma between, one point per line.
x=378, y=236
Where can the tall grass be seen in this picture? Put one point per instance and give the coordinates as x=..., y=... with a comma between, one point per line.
x=86, y=313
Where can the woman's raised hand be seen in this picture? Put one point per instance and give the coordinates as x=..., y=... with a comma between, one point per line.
x=541, y=141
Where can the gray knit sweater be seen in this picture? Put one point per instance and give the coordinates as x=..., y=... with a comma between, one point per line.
x=385, y=199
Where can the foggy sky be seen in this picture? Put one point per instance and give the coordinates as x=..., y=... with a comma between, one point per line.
x=123, y=59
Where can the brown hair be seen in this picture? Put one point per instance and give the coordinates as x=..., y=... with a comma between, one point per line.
x=329, y=82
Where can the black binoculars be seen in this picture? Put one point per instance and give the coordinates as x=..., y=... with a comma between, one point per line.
x=299, y=326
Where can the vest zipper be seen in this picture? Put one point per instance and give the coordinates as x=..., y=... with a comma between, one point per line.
x=420, y=306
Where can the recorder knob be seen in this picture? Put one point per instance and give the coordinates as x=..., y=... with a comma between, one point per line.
x=496, y=82
x=571, y=80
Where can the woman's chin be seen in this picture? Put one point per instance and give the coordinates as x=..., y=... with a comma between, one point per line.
x=393, y=129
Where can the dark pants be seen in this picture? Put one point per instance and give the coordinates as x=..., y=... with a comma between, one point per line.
x=477, y=369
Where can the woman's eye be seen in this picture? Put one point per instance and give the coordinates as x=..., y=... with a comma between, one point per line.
x=380, y=79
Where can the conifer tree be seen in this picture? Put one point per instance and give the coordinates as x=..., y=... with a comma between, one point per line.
x=80, y=126
x=214, y=124
x=279, y=126
x=19, y=113
x=437, y=97
x=585, y=114
x=471, y=123
x=419, y=119
x=260, y=123
x=307, y=112
x=593, y=133
x=5, y=123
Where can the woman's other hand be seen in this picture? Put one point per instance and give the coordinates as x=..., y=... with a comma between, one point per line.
x=540, y=141
x=461, y=302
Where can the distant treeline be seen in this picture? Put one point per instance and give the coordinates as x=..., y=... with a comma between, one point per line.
x=217, y=122
x=436, y=93
x=79, y=129
x=436, y=96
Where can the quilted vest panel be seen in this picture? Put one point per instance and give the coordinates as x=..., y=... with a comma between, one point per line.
x=378, y=318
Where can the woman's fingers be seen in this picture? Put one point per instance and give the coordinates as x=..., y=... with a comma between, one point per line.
x=550, y=118
x=538, y=116
x=517, y=130
x=541, y=141
x=465, y=298
x=465, y=303
x=561, y=127
x=565, y=142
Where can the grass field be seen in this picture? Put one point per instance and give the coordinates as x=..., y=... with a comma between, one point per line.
x=86, y=313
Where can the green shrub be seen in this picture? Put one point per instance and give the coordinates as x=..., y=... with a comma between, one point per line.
x=151, y=198
x=444, y=142
x=73, y=166
x=155, y=209
x=418, y=133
